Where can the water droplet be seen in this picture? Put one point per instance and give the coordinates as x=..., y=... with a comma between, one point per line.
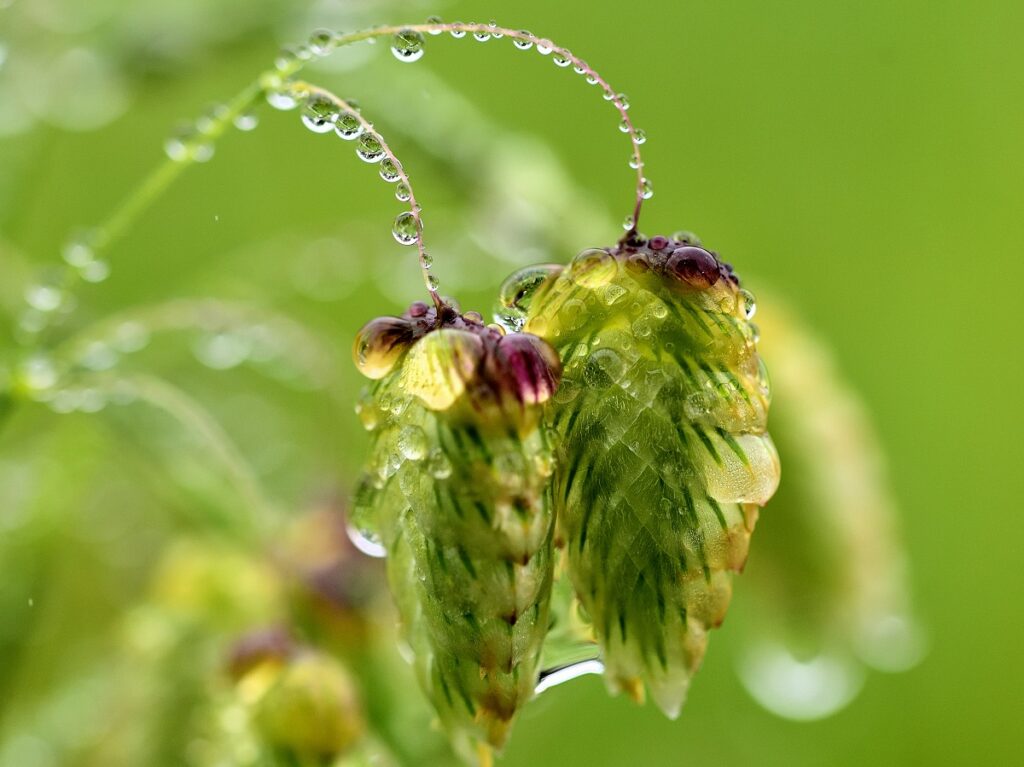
x=593, y=268
x=369, y=148
x=222, y=351
x=78, y=251
x=608, y=96
x=633, y=162
x=390, y=171
x=427, y=260
x=321, y=42
x=544, y=47
x=553, y=677
x=523, y=45
x=407, y=45
x=481, y=36
x=433, y=283
x=516, y=293
x=94, y=272
x=319, y=114
x=435, y=20
x=406, y=229
x=623, y=101
x=45, y=298
x=458, y=34
x=282, y=99
x=347, y=126
x=628, y=223
x=365, y=542
x=286, y=59
x=495, y=33
x=38, y=374
x=561, y=60
x=412, y=443
x=748, y=304
x=246, y=121
x=624, y=126
x=687, y=238
x=640, y=136
x=438, y=464
x=303, y=53
x=646, y=190
x=580, y=68
x=591, y=79
x=800, y=689
x=402, y=192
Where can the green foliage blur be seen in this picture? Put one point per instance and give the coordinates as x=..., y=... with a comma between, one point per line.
x=862, y=162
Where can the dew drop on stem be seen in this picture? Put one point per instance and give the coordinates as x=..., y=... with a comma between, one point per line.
x=321, y=42
x=319, y=115
x=390, y=171
x=369, y=148
x=402, y=192
x=458, y=34
x=434, y=20
x=347, y=126
x=407, y=45
x=406, y=228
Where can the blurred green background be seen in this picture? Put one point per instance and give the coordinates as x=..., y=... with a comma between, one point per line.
x=862, y=160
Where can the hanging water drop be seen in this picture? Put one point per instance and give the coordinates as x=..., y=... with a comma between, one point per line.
x=560, y=60
x=495, y=33
x=628, y=223
x=591, y=79
x=458, y=34
x=435, y=20
x=481, y=36
x=521, y=44
x=319, y=115
x=633, y=162
x=390, y=170
x=246, y=121
x=369, y=148
x=321, y=42
x=623, y=101
x=347, y=126
x=366, y=543
x=748, y=304
x=624, y=126
x=639, y=136
x=406, y=229
x=646, y=190
x=285, y=60
x=402, y=193
x=45, y=298
x=427, y=260
x=412, y=443
x=95, y=271
x=282, y=99
x=407, y=45
x=433, y=283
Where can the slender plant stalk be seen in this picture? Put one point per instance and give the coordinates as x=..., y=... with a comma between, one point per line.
x=305, y=89
x=127, y=212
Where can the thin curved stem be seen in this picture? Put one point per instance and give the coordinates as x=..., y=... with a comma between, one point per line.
x=301, y=88
x=136, y=203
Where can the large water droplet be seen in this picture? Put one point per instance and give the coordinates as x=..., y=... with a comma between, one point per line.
x=347, y=126
x=516, y=293
x=369, y=148
x=406, y=229
x=593, y=268
x=390, y=171
x=407, y=45
x=319, y=114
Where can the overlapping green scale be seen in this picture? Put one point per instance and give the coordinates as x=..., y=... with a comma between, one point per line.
x=663, y=454
x=456, y=489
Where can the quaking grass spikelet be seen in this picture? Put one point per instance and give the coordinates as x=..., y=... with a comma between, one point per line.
x=663, y=456
x=456, y=489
